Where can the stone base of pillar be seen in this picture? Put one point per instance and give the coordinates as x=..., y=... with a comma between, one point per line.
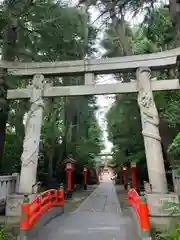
x=13, y=204
x=163, y=204
x=161, y=224
x=85, y=186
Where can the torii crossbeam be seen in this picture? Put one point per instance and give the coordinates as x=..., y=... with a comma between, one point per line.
x=141, y=64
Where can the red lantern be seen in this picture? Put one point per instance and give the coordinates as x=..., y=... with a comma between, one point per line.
x=69, y=164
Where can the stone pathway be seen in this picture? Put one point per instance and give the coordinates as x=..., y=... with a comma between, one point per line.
x=99, y=217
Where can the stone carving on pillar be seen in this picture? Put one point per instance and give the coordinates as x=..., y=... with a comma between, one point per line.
x=150, y=131
x=29, y=158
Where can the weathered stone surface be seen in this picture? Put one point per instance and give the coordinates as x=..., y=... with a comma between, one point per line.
x=147, y=187
x=157, y=204
x=176, y=181
x=29, y=158
x=150, y=131
x=8, y=185
x=163, y=223
x=13, y=204
x=91, y=89
x=98, y=66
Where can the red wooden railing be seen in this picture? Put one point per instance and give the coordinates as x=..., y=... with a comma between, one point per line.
x=30, y=211
x=134, y=200
x=141, y=209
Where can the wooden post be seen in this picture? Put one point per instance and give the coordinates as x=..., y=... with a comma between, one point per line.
x=133, y=171
x=144, y=218
x=69, y=179
x=85, y=170
x=125, y=176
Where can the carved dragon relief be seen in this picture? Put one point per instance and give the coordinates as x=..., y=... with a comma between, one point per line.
x=149, y=113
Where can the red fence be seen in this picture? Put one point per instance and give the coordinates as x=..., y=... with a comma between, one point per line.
x=32, y=210
x=141, y=208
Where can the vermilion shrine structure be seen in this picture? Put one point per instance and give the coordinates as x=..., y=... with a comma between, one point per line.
x=69, y=164
x=142, y=65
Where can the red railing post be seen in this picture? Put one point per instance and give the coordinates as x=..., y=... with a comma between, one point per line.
x=129, y=195
x=140, y=206
x=69, y=179
x=144, y=217
x=25, y=213
x=61, y=195
x=69, y=185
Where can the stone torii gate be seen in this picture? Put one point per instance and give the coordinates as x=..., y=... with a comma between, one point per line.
x=141, y=64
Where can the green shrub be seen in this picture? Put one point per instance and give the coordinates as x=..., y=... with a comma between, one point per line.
x=172, y=234
x=2, y=237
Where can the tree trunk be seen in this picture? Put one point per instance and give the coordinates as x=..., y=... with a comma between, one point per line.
x=174, y=8
x=3, y=114
x=50, y=159
x=178, y=25
x=122, y=37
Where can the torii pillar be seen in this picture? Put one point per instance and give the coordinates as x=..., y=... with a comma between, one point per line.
x=150, y=131
x=29, y=158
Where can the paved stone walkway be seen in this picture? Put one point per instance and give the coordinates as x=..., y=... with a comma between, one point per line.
x=99, y=217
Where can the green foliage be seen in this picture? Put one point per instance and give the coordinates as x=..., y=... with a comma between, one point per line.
x=174, y=148
x=2, y=235
x=124, y=127
x=171, y=234
x=159, y=30
x=111, y=42
x=50, y=31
